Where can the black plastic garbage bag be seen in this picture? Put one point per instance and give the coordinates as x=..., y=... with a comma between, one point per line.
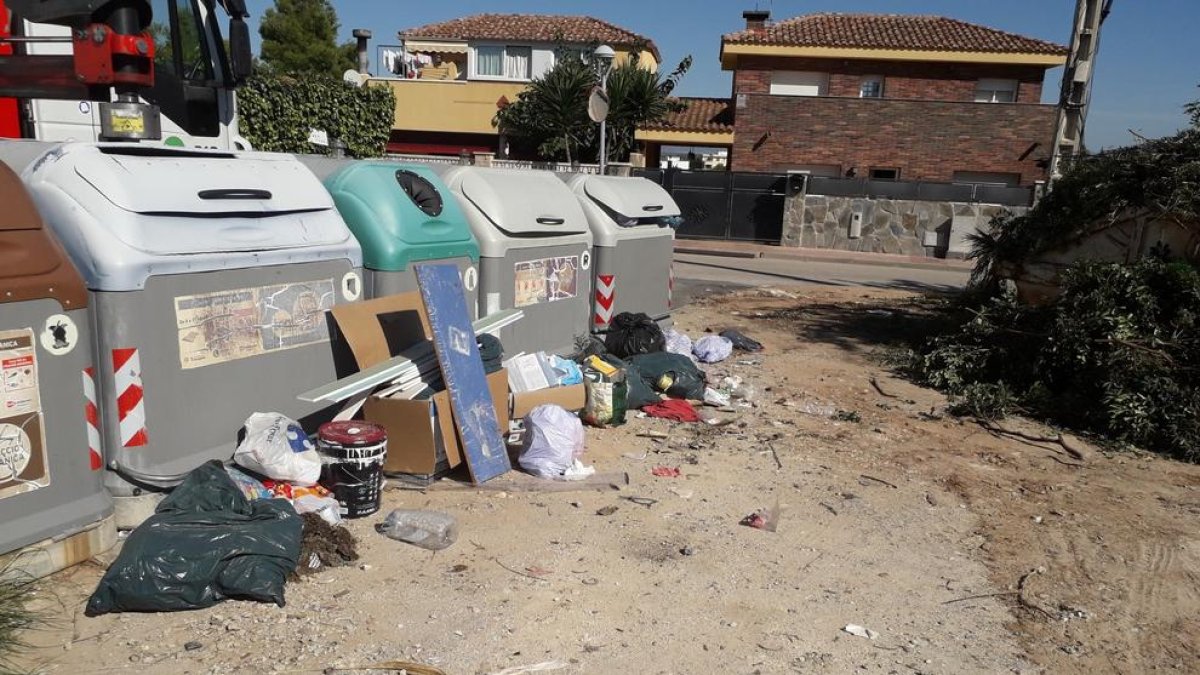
x=741, y=341
x=680, y=374
x=630, y=334
x=205, y=543
x=491, y=351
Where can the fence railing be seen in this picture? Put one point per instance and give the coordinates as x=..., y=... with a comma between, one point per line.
x=560, y=167
x=487, y=159
x=918, y=190
x=427, y=159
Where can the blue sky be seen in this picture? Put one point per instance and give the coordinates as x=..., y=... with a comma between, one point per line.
x=1147, y=68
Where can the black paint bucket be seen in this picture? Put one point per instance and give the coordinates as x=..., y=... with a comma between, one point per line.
x=352, y=455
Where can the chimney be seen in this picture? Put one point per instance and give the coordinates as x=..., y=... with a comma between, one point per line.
x=756, y=19
x=361, y=35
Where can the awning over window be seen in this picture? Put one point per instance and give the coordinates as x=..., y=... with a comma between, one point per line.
x=436, y=46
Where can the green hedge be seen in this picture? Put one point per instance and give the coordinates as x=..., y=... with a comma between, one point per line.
x=277, y=112
x=1117, y=354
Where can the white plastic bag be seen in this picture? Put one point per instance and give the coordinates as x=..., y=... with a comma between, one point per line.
x=553, y=440
x=712, y=348
x=678, y=343
x=326, y=507
x=276, y=446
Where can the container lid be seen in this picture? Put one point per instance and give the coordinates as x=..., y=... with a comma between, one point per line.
x=352, y=433
x=401, y=213
x=524, y=202
x=33, y=265
x=631, y=197
x=165, y=202
x=158, y=182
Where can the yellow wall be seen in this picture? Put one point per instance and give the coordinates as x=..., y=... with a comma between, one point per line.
x=460, y=106
x=451, y=106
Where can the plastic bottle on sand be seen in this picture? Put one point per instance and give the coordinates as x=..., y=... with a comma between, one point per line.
x=431, y=530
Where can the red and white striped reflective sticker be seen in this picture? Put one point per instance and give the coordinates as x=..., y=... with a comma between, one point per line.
x=131, y=409
x=606, y=293
x=671, y=287
x=92, y=414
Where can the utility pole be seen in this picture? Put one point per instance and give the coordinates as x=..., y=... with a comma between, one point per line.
x=1076, y=92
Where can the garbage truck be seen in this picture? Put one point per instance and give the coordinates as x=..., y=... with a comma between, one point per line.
x=50, y=88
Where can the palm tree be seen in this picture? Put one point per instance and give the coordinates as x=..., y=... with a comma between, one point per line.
x=638, y=96
x=552, y=111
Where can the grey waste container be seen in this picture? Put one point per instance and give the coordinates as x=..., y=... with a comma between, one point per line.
x=634, y=243
x=402, y=214
x=51, y=470
x=210, y=277
x=535, y=252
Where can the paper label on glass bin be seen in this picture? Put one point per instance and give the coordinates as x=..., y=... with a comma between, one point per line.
x=23, y=466
x=241, y=323
x=546, y=280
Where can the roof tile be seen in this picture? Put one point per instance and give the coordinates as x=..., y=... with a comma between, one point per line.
x=892, y=31
x=531, y=28
x=703, y=115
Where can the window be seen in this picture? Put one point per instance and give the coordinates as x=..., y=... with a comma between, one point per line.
x=794, y=83
x=871, y=87
x=489, y=61
x=509, y=63
x=884, y=174
x=996, y=91
x=180, y=49
x=517, y=62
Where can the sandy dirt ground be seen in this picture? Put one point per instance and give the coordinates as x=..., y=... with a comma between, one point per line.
x=962, y=551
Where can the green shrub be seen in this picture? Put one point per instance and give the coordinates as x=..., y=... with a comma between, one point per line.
x=277, y=112
x=15, y=616
x=1158, y=177
x=1118, y=354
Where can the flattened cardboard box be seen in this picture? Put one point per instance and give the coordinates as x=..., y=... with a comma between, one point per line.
x=571, y=397
x=417, y=430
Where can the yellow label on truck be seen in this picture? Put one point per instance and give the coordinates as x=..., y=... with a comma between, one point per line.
x=128, y=125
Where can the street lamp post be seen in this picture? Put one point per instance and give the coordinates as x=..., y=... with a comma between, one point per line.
x=604, y=58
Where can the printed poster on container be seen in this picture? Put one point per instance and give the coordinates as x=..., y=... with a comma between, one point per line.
x=546, y=280
x=237, y=324
x=23, y=465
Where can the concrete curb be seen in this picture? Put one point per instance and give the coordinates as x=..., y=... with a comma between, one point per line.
x=723, y=253
x=848, y=258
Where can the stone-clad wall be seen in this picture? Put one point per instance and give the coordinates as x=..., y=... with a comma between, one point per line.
x=894, y=226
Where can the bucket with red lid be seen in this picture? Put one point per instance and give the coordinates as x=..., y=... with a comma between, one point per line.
x=352, y=455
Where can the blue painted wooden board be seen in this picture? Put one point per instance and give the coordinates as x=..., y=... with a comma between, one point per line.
x=462, y=370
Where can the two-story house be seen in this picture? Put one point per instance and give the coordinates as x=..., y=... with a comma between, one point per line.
x=889, y=97
x=451, y=77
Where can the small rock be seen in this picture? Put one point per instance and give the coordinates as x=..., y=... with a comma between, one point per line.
x=192, y=646
x=364, y=567
x=860, y=631
x=606, y=510
x=687, y=550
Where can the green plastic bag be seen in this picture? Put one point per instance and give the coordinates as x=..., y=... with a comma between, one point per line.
x=205, y=543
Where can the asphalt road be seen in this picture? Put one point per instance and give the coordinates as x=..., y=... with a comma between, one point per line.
x=697, y=275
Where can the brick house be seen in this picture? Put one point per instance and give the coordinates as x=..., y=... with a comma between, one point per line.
x=889, y=97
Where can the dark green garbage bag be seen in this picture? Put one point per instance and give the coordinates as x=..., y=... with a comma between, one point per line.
x=205, y=543
x=673, y=374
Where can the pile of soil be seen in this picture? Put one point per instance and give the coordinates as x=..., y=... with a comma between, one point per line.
x=323, y=546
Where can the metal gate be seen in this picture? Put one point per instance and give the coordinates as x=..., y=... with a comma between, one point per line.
x=733, y=205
